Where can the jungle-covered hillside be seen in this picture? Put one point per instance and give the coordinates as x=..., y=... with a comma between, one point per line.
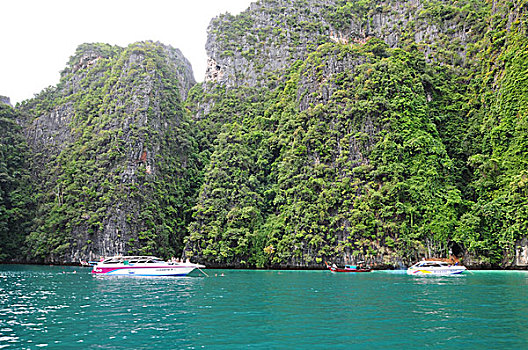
x=324, y=130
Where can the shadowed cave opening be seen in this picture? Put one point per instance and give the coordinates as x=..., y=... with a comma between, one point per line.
x=455, y=249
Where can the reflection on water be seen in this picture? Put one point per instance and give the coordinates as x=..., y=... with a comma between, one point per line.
x=64, y=307
x=67, y=307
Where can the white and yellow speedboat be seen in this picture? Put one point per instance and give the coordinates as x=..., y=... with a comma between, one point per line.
x=431, y=267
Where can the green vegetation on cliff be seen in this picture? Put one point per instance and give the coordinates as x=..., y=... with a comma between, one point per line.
x=16, y=197
x=371, y=152
x=326, y=130
x=123, y=180
x=498, y=217
x=351, y=163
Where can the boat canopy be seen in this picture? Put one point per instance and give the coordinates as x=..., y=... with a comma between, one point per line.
x=133, y=259
x=432, y=264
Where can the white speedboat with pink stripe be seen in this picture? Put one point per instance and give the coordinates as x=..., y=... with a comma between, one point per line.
x=143, y=266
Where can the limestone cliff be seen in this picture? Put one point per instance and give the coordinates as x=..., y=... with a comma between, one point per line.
x=342, y=130
x=268, y=37
x=5, y=100
x=325, y=130
x=113, y=154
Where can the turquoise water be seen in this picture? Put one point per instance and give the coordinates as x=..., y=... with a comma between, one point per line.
x=68, y=308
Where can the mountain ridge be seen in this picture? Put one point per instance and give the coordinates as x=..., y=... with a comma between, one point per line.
x=324, y=130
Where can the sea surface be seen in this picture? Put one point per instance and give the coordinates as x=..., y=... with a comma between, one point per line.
x=68, y=308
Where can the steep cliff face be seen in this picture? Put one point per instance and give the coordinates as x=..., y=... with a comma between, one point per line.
x=5, y=100
x=245, y=50
x=496, y=224
x=329, y=144
x=113, y=152
x=325, y=130
x=348, y=166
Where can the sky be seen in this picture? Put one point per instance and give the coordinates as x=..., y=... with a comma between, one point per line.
x=39, y=36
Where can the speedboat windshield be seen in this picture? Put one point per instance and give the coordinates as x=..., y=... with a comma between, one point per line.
x=132, y=260
x=431, y=264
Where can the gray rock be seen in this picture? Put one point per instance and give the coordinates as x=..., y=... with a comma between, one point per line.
x=5, y=100
x=131, y=109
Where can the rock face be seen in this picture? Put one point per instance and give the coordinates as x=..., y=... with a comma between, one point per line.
x=5, y=100
x=337, y=145
x=356, y=130
x=110, y=140
x=327, y=130
x=521, y=253
x=271, y=35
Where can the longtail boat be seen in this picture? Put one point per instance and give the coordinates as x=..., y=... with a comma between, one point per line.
x=347, y=268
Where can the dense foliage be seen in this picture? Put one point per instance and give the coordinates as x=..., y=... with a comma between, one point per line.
x=498, y=217
x=368, y=152
x=123, y=180
x=16, y=197
x=361, y=171
x=327, y=130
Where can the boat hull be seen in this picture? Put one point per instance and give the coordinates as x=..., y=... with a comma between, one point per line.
x=335, y=268
x=348, y=270
x=433, y=272
x=143, y=270
x=435, y=267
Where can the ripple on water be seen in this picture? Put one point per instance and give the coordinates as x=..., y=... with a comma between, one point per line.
x=44, y=307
